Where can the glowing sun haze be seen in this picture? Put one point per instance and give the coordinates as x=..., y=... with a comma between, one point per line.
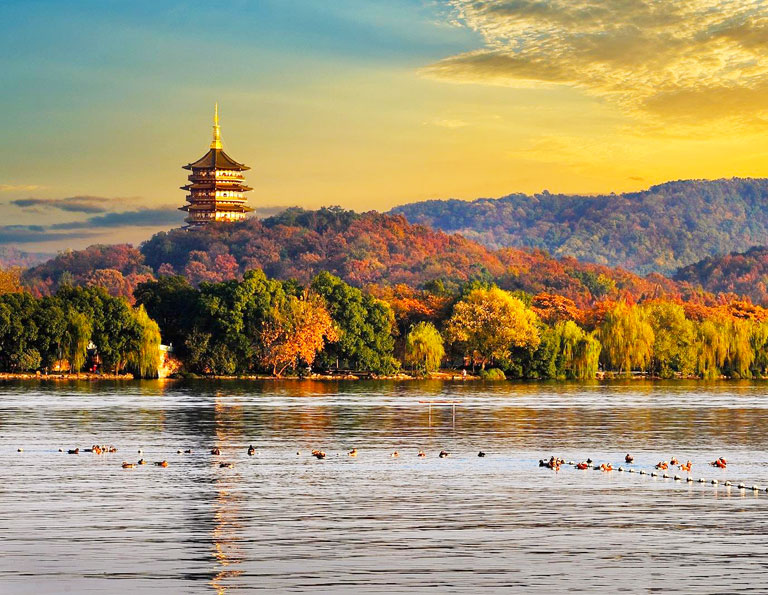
x=366, y=103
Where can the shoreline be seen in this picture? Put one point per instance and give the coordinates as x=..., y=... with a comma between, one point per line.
x=445, y=376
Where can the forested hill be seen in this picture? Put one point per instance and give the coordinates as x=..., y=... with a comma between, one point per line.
x=658, y=230
x=363, y=249
x=741, y=273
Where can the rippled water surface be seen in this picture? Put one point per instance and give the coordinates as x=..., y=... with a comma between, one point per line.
x=284, y=521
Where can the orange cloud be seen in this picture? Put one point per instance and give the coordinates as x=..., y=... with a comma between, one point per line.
x=682, y=61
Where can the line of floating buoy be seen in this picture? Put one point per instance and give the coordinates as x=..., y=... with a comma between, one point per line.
x=554, y=463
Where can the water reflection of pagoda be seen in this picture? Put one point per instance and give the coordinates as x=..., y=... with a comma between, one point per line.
x=216, y=185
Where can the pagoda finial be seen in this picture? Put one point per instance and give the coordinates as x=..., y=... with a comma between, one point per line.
x=216, y=142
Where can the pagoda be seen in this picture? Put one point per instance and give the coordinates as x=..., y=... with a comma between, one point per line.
x=216, y=185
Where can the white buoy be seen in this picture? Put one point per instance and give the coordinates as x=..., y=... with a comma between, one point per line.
x=701, y=480
x=742, y=486
x=755, y=488
x=621, y=468
x=689, y=479
x=654, y=474
x=631, y=470
x=714, y=482
x=728, y=483
x=665, y=475
x=596, y=467
x=677, y=478
x=642, y=472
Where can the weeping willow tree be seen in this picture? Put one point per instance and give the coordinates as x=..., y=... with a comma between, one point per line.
x=674, y=345
x=579, y=351
x=424, y=347
x=627, y=338
x=759, y=341
x=712, y=349
x=144, y=358
x=741, y=354
x=77, y=335
x=586, y=357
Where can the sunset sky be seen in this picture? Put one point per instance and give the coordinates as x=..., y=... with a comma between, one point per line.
x=365, y=103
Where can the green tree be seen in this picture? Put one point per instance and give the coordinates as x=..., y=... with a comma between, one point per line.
x=674, y=344
x=364, y=324
x=144, y=357
x=174, y=304
x=424, y=347
x=76, y=336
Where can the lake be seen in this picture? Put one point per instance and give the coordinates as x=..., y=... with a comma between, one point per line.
x=283, y=521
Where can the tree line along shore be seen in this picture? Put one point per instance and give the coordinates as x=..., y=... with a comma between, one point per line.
x=257, y=326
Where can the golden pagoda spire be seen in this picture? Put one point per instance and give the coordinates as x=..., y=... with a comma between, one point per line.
x=216, y=142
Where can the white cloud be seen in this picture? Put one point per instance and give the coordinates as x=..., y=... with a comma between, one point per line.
x=674, y=59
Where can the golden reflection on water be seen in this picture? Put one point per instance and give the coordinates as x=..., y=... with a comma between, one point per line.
x=227, y=549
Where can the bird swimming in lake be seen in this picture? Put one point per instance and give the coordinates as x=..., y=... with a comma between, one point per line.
x=662, y=465
x=583, y=465
x=142, y=462
x=75, y=451
x=318, y=454
x=719, y=463
x=127, y=465
x=686, y=467
x=444, y=453
x=353, y=452
x=161, y=463
x=606, y=467
x=215, y=451
x=674, y=461
x=226, y=465
x=589, y=461
x=188, y=451
x=629, y=458
x=251, y=451
x=481, y=454
x=395, y=454
x=421, y=454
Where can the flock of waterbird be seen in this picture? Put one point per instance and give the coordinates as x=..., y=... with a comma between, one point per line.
x=554, y=463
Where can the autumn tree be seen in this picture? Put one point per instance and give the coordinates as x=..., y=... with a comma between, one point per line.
x=10, y=280
x=488, y=322
x=296, y=331
x=424, y=347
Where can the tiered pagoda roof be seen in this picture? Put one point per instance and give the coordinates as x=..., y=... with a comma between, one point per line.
x=216, y=188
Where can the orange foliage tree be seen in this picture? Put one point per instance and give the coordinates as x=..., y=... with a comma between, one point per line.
x=296, y=331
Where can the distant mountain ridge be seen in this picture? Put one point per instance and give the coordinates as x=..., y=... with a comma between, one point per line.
x=740, y=273
x=661, y=229
x=11, y=257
